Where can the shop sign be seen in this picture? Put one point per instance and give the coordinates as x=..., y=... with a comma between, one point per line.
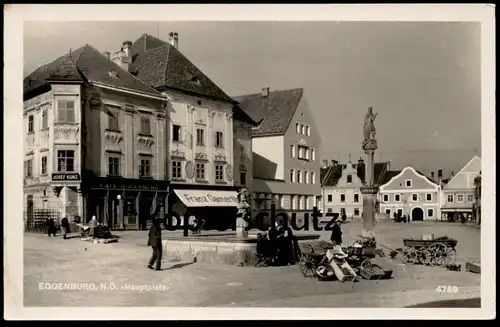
x=66, y=177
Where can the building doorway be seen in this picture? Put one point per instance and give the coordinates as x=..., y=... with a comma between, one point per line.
x=417, y=214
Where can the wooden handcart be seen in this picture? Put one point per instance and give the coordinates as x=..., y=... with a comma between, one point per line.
x=435, y=252
x=312, y=256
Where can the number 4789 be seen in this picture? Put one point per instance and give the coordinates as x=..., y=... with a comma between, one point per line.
x=447, y=289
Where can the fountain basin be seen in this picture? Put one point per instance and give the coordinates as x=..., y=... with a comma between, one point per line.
x=220, y=248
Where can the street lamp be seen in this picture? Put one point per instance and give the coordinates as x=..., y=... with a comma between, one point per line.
x=120, y=215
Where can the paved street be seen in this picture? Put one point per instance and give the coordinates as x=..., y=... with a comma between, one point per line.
x=48, y=260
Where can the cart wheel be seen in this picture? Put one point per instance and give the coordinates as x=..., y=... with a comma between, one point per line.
x=366, y=264
x=449, y=256
x=306, y=267
x=429, y=257
x=440, y=251
x=410, y=255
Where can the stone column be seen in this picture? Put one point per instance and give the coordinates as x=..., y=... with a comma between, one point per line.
x=369, y=190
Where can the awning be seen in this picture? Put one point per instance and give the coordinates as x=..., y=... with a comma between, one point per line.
x=207, y=198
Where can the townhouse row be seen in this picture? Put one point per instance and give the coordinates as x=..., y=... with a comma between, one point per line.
x=406, y=192
x=143, y=130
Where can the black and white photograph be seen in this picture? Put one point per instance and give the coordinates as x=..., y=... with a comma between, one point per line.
x=283, y=162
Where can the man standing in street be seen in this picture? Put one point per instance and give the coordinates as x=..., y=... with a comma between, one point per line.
x=65, y=227
x=336, y=239
x=154, y=241
x=51, y=226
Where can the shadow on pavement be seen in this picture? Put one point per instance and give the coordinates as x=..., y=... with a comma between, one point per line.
x=179, y=265
x=462, y=303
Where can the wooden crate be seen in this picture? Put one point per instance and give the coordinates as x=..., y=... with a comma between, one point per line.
x=474, y=267
x=340, y=265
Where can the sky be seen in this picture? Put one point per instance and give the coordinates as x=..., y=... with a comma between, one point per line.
x=422, y=78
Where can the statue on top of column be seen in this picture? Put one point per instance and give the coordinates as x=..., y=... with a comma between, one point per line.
x=369, y=130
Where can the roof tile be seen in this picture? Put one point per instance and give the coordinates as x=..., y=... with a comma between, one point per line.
x=275, y=110
x=93, y=65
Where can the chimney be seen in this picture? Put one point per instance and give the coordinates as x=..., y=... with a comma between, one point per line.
x=173, y=38
x=440, y=177
x=334, y=162
x=325, y=163
x=360, y=161
x=106, y=54
x=452, y=173
x=126, y=48
x=432, y=175
x=265, y=92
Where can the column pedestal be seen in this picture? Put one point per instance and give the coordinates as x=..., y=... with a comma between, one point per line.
x=369, y=200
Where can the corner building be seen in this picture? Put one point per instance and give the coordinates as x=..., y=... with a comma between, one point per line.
x=95, y=140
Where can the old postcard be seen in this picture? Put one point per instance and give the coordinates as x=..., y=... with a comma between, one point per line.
x=249, y=162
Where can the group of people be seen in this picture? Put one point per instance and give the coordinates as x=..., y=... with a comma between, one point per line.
x=399, y=217
x=278, y=246
x=52, y=228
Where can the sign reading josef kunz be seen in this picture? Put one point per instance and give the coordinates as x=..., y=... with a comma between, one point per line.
x=66, y=177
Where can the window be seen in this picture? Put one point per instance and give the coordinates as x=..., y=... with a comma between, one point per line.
x=44, y=165
x=302, y=202
x=313, y=155
x=145, y=125
x=470, y=197
x=397, y=197
x=408, y=183
x=460, y=198
x=28, y=168
x=303, y=152
x=295, y=201
x=292, y=150
x=342, y=197
x=450, y=198
x=65, y=161
x=200, y=171
x=113, y=121
x=292, y=176
x=219, y=140
x=176, y=133
x=430, y=213
x=31, y=123
x=428, y=197
x=388, y=212
x=414, y=197
x=114, y=166
x=306, y=177
x=219, y=173
x=330, y=210
x=349, y=179
x=356, y=198
x=308, y=131
x=330, y=198
x=304, y=129
x=200, y=136
x=243, y=178
x=356, y=212
x=45, y=119
x=297, y=128
x=313, y=179
x=299, y=176
x=66, y=111
x=386, y=197
x=145, y=167
x=176, y=170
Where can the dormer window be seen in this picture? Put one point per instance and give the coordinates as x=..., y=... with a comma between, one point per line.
x=112, y=74
x=349, y=179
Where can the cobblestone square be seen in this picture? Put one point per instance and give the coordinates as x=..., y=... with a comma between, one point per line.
x=120, y=277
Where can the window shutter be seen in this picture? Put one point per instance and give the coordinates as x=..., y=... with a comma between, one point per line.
x=215, y=138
